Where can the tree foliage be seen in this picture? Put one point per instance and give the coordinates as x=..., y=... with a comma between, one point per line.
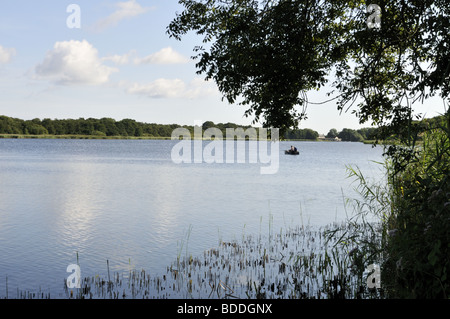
x=81, y=126
x=269, y=54
x=404, y=62
x=101, y=127
x=301, y=134
x=264, y=54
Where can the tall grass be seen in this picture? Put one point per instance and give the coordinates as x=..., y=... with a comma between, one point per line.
x=403, y=223
x=419, y=248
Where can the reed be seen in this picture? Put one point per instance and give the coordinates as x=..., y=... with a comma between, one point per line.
x=300, y=262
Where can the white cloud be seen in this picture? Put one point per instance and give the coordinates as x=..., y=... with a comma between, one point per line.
x=200, y=88
x=6, y=54
x=119, y=59
x=173, y=88
x=74, y=62
x=164, y=56
x=160, y=88
x=125, y=10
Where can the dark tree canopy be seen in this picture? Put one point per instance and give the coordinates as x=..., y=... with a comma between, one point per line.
x=265, y=55
x=404, y=62
x=268, y=54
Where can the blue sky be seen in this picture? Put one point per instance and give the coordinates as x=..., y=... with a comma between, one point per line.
x=119, y=63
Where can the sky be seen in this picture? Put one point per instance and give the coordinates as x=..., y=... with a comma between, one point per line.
x=108, y=58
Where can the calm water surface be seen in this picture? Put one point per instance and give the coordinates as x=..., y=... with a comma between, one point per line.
x=127, y=202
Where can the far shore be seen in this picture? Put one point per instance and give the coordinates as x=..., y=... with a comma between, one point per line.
x=81, y=137
x=102, y=137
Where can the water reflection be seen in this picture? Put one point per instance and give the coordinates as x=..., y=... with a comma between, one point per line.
x=164, y=203
x=80, y=203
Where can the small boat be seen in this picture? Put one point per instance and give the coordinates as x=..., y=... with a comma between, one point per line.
x=290, y=152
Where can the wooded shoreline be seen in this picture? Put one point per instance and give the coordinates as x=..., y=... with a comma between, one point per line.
x=108, y=128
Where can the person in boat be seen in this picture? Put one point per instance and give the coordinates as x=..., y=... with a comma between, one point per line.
x=293, y=150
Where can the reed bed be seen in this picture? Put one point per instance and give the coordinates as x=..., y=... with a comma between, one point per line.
x=302, y=262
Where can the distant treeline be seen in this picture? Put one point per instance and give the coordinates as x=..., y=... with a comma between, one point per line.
x=81, y=126
x=308, y=134
x=351, y=135
x=109, y=127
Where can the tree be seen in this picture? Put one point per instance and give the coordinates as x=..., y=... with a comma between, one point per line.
x=84, y=127
x=110, y=126
x=10, y=125
x=311, y=134
x=301, y=134
x=332, y=133
x=208, y=124
x=48, y=124
x=271, y=53
x=128, y=127
x=268, y=53
x=31, y=127
x=350, y=135
x=404, y=62
x=368, y=133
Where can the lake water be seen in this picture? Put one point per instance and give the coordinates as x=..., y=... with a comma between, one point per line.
x=127, y=202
